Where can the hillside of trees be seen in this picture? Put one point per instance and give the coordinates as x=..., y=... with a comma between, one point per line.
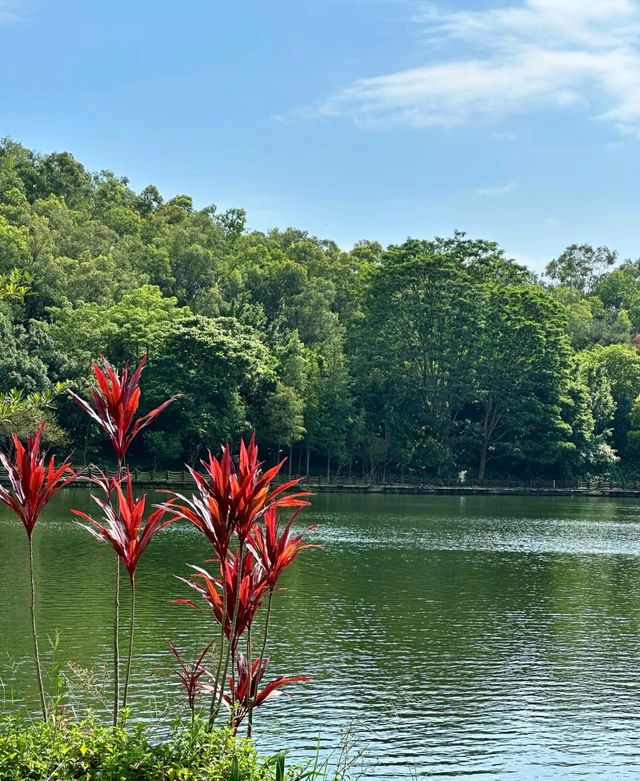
x=426, y=358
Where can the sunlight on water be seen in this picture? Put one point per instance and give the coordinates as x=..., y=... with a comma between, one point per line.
x=451, y=637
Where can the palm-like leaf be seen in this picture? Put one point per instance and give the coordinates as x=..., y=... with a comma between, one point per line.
x=244, y=591
x=245, y=692
x=116, y=398
x=190, y=674
x=276, y=551
x=236, y=498
x=33, y=480
x=123, y=524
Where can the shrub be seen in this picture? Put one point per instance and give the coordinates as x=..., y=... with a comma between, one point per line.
x=87, y=751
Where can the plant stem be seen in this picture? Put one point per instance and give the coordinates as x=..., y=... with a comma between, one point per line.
x=249, y=696
x=116, y=645
x=36, y=649
x=219, y=685
x=232, y=639
x=116, y=625
x=131, y=631
x=252, y=700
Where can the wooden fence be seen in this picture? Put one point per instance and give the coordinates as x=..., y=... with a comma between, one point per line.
x=392, y=482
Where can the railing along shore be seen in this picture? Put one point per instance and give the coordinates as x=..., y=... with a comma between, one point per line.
x=392, y=483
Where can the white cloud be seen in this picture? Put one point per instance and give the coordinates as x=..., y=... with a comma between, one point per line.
x=536, y=54
x=492, y=192
x=9, y=10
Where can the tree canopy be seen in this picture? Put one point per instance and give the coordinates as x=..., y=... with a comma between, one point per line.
x=428, y=357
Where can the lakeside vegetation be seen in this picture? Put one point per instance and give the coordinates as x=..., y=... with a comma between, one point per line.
x=428, y=358
x=236, y=509
x=87, y=751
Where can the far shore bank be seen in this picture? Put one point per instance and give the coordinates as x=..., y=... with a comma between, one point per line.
x=163, y=479
x=160, y=479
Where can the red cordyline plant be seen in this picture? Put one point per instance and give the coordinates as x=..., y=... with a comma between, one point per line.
x=275, y=549
x=231, y=506
x=33, y=481
x=244, y=693
x=116, y=399
x=246, y=592
x=190, y=675
x=238, y=497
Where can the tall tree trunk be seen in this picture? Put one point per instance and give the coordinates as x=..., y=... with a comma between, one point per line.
x=308, y=457
x=328, y=467
x=484, y=448
x=290, y=457
x=483, y=460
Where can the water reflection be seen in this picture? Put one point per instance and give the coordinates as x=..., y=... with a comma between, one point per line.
x=463, y=637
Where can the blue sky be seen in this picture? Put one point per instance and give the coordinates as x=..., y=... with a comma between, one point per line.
x=513, y=120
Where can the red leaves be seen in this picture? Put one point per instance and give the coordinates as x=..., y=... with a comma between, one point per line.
x=203, y=511
x=245, y=693
x=190, y=674
x=122, y=521
x=116, y=397
x=274, y=552
x=237, y=498
x=239, y=501
x=228, y=599
x=33, y=480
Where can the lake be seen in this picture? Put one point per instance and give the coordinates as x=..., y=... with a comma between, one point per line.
x=461, y=637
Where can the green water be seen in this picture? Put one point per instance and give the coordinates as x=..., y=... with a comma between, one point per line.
x=463, y=637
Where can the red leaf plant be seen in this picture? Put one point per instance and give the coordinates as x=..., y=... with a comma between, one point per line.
x=190, y=675
x=247, y=598
x=276, y=552
x=33, y=481
x=240, y=496
x=233, y=501
x=123, y=525
x=116, y=398
x=244, y=692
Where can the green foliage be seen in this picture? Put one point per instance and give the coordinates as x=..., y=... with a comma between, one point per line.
x=580, y=266
x=522, y=378
x=620, y=365
x=221, y=369
x=429, y=356
x=86, y=751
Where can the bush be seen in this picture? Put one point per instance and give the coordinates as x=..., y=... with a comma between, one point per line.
x=86, y=751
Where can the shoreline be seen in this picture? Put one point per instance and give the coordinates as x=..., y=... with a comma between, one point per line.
x=420, y=490
x=460, y=490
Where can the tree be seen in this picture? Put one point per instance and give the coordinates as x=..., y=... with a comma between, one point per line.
x=222, y=371
x=522, y=368
x=580, y=266
x=421, y=312
x=328, y=405
x=620, y=364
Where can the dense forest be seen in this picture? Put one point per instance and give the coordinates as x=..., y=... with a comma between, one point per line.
x=426, y=358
